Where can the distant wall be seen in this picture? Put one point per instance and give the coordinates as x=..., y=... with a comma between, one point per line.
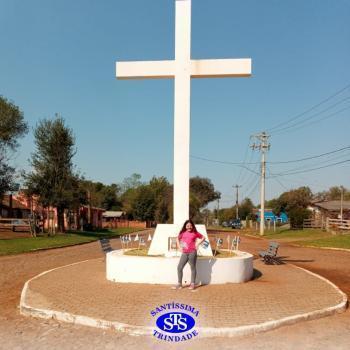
x=124, y=223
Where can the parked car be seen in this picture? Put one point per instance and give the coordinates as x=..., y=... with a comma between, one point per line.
x=225, y=224
x=236, y=224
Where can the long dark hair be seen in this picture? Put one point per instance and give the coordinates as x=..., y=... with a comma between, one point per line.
x=184, y=227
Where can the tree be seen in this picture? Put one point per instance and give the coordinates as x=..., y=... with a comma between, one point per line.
x=294, y=203
x=163, y=196
x=131, y=182
x=7, y=182
x=147, y=201
x=202, y=192
x=129, y=188
x=246, y=208
x=52, y=178
x=226, y=214
x=334, y=193
x=144, y=205
x=110, y=197
x=100, y=195
x=153, y=201
x=12, y=127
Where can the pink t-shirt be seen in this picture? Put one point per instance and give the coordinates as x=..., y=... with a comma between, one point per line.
x=188, y=241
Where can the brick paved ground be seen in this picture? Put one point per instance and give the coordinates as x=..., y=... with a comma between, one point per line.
x=18, y=332
x=280, y=291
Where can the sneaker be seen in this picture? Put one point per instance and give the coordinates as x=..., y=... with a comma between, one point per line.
x=177, y=286
x=191, y=287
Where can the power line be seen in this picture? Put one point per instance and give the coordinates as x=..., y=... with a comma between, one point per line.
x=251, y=177
x=311, y=157
x=253, y=189
x=296, y=182
x=289, y=129
x=276, y=179
x=309, y=109
x=319, y=163
x=270, y=162
x=306, y=171
x=223, y=162
x=244, y=161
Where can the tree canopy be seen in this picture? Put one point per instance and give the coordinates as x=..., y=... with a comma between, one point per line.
x=294, y=203
x=100, y=195
x=12, y=127
x=202, y=192
x=12, y=124
x=153, y=201
x=334, y=193
x=53, y=178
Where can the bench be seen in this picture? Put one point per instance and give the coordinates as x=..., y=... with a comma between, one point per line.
x=269, y=256
x=106, y=245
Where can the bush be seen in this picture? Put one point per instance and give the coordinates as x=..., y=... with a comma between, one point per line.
x=297, y=216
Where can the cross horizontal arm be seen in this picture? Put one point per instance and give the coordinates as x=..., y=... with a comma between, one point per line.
x=145, y=69
x=220, y=68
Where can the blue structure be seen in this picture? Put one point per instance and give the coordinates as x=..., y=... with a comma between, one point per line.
x=270, y=216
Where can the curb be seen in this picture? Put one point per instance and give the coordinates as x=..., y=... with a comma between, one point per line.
x=325, y=248
x=133, y=330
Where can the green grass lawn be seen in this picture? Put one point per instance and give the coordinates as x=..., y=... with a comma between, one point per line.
x=308, y=237
x=22, y=245
x=220, y=228
x=338, y=241
x=293, y=235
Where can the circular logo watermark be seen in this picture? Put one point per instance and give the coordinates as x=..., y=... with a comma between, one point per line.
x=175, y=322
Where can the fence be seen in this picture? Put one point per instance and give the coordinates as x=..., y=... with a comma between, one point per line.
x=124, y=223
x=311, y=223
x=15, y=224
x=337, y=225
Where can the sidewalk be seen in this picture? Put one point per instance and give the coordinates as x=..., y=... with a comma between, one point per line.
x=277, y=296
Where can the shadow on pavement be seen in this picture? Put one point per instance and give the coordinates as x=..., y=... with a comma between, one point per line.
x=256, y=274
x=284, y=259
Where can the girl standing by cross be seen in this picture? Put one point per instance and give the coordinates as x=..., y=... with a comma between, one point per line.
x=188, y=242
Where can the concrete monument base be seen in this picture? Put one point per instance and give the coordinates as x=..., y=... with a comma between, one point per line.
x=163, y=270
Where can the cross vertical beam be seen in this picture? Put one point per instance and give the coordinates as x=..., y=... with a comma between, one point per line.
x=182, y=92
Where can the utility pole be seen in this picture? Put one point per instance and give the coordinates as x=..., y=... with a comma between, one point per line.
x=263, y=146
x=217, y=211
x=89, y=207
x=237, y=187
x=341, y=201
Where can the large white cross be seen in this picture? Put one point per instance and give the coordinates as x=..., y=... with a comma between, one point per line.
x=182, y=69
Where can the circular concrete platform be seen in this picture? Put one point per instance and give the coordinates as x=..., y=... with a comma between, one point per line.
x=278, y=295
x=163, y=270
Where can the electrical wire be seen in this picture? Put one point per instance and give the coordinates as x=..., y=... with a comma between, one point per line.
x=313, y=164
x=313, y=169
x=284, y=123
x=283, y=131
x=271, y=162
x=311, y=157
x=244, y=162
x=223, y=162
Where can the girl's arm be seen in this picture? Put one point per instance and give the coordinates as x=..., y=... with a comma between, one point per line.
x=199, y=242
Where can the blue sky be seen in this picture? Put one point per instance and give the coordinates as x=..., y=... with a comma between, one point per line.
x=59, y=57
